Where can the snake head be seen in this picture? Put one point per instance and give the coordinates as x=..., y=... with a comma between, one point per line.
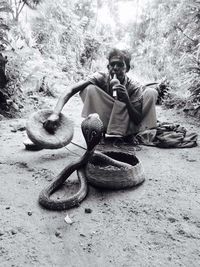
x=92, y=128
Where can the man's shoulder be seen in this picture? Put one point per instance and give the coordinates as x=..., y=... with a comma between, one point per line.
x=134, y=89
x=98, y=78
x=132, y=82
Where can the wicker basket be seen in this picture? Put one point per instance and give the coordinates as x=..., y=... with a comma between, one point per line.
x=114, y=170
x=42, y=138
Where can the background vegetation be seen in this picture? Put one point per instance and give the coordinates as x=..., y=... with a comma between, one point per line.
x=50, y=44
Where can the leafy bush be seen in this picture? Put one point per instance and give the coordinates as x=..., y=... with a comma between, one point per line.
x=91, y=47
x=167, y=45
x=13, y=95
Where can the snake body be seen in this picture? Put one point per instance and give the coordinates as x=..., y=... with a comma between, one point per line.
x=118, y=166
x=92, y=129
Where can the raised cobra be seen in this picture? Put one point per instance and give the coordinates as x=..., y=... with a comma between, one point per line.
x=92, y=128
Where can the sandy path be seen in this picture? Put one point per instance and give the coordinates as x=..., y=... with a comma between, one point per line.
x=156, y=224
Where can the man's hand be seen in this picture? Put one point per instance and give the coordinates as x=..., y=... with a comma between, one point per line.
x=51, y=123
x=122, y=94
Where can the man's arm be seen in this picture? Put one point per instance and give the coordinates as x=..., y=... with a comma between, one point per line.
x=72, y=90
x=51, y=123
x=135, y=115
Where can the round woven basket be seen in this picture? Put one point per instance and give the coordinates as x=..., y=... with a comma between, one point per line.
x=42, y=138
x=122, y=171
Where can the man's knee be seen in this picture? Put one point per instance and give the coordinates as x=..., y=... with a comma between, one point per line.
x=88, y=90
x=150, y=94
x=90, y=86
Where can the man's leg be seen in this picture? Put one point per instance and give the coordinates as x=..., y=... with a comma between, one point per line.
x=113, y=113
x=149, y=109
x=149, y=112
x=119, y=119
x=97, y=101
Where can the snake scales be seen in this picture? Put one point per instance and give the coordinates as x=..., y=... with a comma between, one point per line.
x=92, y=129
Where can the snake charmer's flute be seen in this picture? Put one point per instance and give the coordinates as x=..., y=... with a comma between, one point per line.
x=113, y=83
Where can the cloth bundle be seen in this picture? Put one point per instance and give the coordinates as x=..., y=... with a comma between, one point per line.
x=167, y=135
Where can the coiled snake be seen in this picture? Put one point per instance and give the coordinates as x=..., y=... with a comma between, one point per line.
x=92, y=129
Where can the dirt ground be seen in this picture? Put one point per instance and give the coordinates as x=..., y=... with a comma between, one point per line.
x=155, y=224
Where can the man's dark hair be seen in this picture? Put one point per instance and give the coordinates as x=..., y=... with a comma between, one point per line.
x=122, y=54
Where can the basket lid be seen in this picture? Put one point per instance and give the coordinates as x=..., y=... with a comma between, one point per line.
x=41, y=137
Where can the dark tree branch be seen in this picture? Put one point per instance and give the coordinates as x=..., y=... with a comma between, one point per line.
x=179, y=28
x=21, y=7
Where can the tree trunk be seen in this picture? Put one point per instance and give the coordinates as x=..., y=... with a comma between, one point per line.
x=3, y=80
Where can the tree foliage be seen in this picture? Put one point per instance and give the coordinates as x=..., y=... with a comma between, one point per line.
x=164, y=40
x=18, y=5
x=166, y=44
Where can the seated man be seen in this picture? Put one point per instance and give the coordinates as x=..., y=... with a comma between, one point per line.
x=131, y=111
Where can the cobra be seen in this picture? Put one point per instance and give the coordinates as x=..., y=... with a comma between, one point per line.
x=92, y=129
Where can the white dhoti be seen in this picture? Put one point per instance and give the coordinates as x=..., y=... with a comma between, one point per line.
x=114, y=114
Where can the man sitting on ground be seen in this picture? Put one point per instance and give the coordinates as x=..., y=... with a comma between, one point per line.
x=131, y=111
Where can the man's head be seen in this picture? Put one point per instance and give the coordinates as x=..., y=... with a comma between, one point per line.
x=121, y=55
x=119, y=62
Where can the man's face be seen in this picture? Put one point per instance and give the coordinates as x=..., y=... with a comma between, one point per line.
x=117, y=66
